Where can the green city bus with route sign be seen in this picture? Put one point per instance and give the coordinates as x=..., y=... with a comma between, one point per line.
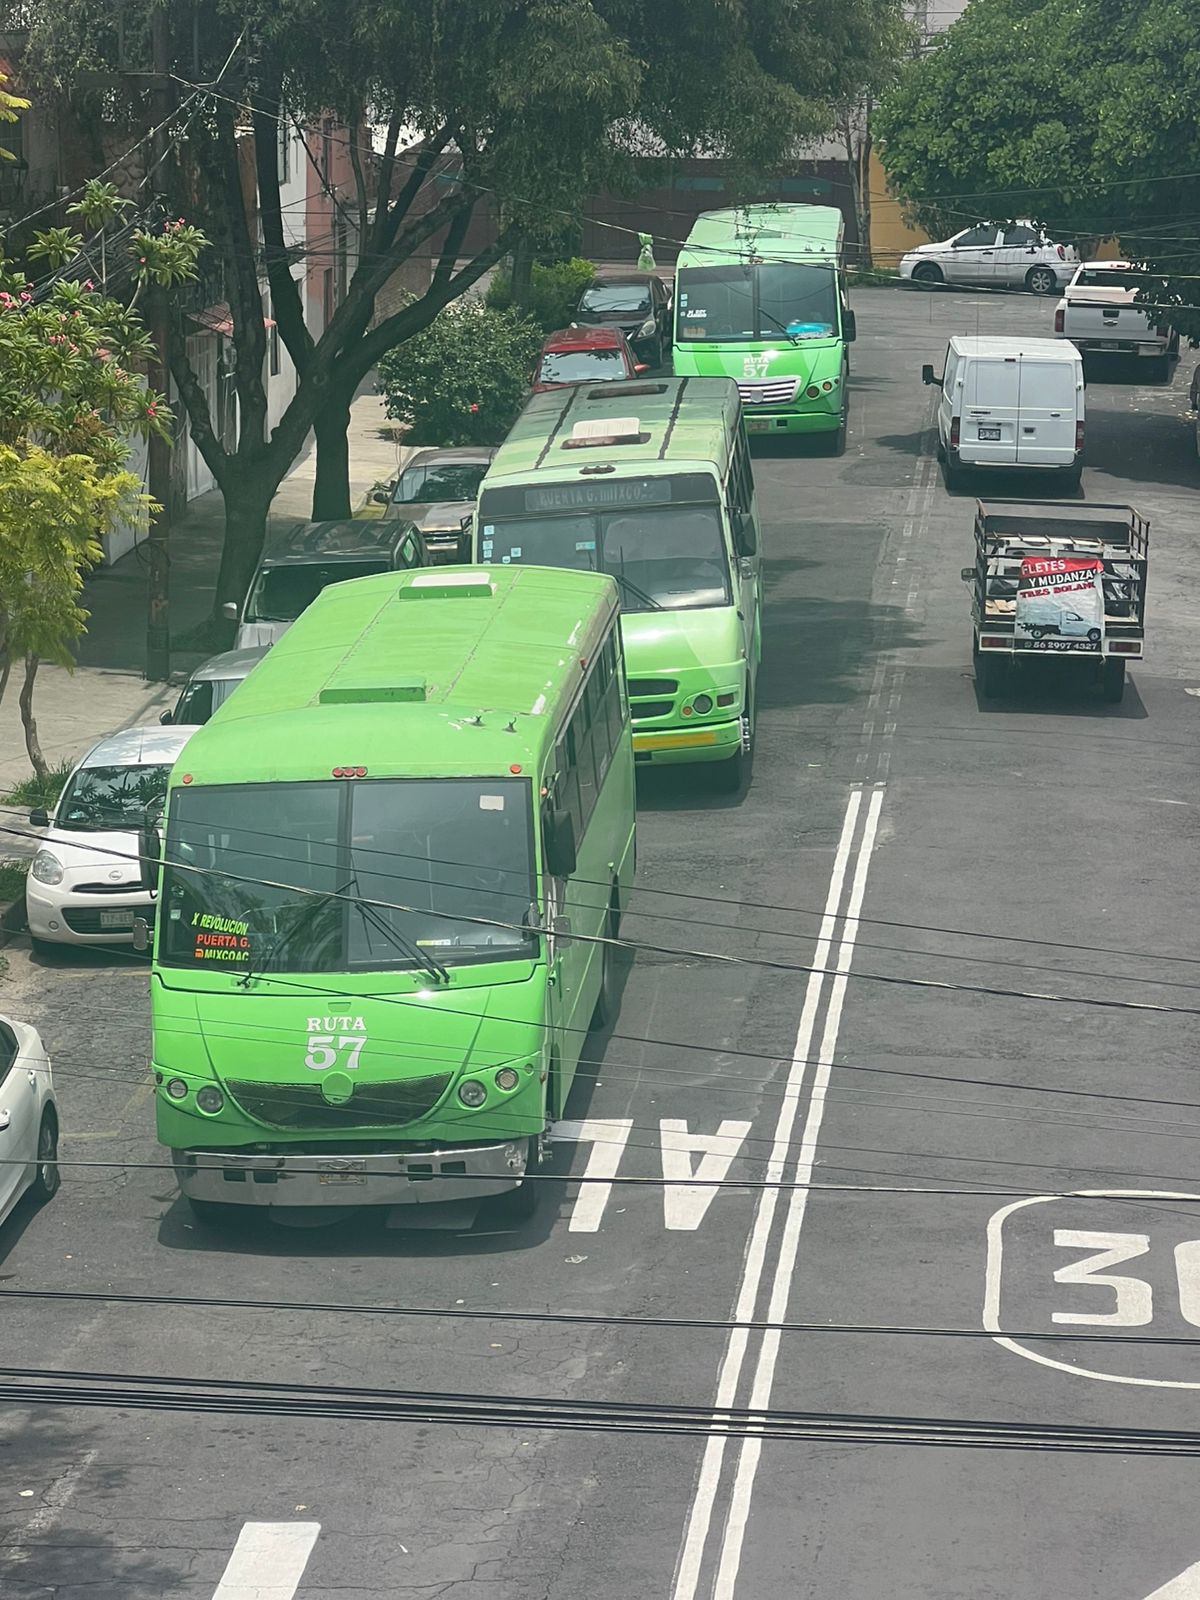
x=391, y=870
x=651, y=482
x=760, y=297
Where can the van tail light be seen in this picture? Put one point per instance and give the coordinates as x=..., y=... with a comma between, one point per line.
x=1078, y=437
x=1062, y=254
x=1161, y=331
x=954, y=427
x=1059, y=320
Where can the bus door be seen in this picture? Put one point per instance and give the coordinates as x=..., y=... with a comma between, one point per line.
x=742, y=511
x=566, y=915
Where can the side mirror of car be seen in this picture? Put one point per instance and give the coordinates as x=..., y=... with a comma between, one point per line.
x=230, y=611
x=149, y=856
x=380, y=497
x=967, y=574
x=561, y=855
x=165, y=718
x=849, y=327
x=929, y=376
x=640, y=367
x=39, y=817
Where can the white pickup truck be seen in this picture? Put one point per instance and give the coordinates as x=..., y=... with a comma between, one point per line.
x=1098, y=312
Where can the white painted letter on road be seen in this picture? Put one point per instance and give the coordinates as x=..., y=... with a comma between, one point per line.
x=684, y=1207
x=608, y=1138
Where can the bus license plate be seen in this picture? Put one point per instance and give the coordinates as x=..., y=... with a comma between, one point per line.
x=116, y=919
x=989, y=433
x=758, y=424
x=349, y=1171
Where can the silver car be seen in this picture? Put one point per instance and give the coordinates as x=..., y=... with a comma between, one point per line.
x=995, y=255
x=211, y=684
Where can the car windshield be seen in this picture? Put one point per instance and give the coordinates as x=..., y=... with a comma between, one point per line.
x=101, y=798
x=282, y=593
x=335, y=877
x=446, y=480
x=663, y=557
x=610, y=297
x=1114, y=278
x=582, y=366
x=735, y=304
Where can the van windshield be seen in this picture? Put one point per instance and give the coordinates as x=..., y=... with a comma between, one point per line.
x=282, y=593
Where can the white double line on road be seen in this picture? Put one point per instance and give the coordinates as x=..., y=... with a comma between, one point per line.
x=847, y=884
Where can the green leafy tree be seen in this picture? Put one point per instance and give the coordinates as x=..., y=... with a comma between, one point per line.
x=1083, y=117
x=461, y=380
x=518, y=110
x=72, y=396
x=554, y=291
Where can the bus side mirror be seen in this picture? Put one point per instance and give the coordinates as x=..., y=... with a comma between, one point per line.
x=561, y=857
x=149, y=857
x=849, y=327
x=929, y=376
x=744, y=538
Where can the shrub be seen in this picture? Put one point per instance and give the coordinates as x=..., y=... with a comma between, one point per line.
x=12, y=880
x=35, y=791
x=554, y=291
x=462, y=380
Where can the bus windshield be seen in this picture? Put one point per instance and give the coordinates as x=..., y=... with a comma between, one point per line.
x=669, y=558
x=274, y=876
x=742, y=303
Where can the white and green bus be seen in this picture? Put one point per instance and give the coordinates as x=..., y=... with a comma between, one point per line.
x=760, y=297
x=651, y=482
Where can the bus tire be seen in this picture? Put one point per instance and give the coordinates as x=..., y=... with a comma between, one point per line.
x=732, y=776
x=835, y=443
x=1112, y=681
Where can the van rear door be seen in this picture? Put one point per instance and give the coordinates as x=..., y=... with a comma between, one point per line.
x=1050, y=393
x=991, y=395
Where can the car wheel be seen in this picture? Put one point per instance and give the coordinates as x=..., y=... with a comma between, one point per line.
x=46, y=1178
x=42, y=947
x=1041, y=280
x=928, y=272
x=1072, y=477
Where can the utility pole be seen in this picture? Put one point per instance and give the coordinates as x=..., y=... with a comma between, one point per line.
x=158, y=626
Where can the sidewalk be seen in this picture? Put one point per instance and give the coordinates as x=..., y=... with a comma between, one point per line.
x=107, y=691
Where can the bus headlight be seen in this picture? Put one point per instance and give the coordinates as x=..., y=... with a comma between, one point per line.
x=507, y=1078
x=210, y=1098
x=702, y=704
x=472, y=1093
x=177, y=1089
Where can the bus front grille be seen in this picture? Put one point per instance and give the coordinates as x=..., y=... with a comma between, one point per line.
x=641, y=709
x=641, y=688
x=780, y=393
x=302, y=1105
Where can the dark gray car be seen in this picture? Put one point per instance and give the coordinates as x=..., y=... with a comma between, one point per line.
x=436, y=492
x=636, y=302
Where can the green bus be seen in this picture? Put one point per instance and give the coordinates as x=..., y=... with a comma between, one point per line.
x=649, y=481
x=760, y=297
x=389, y=867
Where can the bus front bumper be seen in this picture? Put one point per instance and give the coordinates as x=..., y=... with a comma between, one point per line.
x=764, y=421
x=413, y=1177
x=718, y=742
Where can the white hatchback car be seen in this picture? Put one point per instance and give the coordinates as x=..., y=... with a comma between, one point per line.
x=28, y=1117
x=1001, y=256
x=84, y=885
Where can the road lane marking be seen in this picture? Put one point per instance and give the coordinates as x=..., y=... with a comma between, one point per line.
x=1185, y=1587
x=268, y=1561
x=994, y=1273
x=684, y=1209
x=785, y=1268
x=610, y=1136
x=700, y=1516
x=55, y=1501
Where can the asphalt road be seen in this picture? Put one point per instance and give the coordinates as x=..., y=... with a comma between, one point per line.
x=1040, y=843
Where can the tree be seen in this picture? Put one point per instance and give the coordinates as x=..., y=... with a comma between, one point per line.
x=517, y=109
x=1079, y=116
x=71, y=397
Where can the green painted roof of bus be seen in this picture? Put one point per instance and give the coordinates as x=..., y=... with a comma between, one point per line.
x=781, y=233
x=690, y=423
x=390, y=672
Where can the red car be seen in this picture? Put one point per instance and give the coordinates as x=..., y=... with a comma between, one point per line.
x=584, y=355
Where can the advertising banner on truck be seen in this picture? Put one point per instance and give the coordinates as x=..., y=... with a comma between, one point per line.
x=1060, y=606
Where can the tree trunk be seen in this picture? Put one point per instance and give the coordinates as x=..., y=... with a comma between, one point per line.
x=29, y=722
x=522, y=272
x=331, y=491
x=864, y=189
x=246, y=511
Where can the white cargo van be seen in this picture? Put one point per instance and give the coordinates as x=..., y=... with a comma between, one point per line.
x=1010, y=404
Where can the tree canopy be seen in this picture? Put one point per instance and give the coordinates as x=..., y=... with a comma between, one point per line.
x=1085, y=118
x=520, y=107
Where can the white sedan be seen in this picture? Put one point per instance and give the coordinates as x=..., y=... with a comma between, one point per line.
x=28, y=1117
x=1001, y=256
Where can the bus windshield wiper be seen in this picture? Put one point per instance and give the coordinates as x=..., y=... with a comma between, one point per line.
x=303, y=920
x=640, y=595
x=409, y=947
x=791, y=337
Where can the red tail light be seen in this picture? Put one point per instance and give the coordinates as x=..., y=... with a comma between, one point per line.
x=1078, y=436
x=954, y=426
x=1161, y=331
x=1062, y=254
x=1059, y=317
